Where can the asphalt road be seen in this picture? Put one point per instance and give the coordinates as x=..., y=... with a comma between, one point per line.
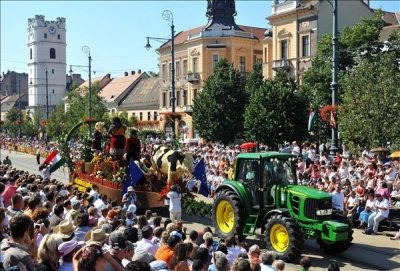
x=368, y=252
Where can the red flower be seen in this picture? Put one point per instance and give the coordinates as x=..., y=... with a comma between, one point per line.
x=325, y=112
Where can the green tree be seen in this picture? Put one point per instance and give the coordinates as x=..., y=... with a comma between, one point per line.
x=370, y=109
x=10, y=124
x=317, y=80
x=255, y=80
x=276, y=113
x=218, y=109
x=61, y=120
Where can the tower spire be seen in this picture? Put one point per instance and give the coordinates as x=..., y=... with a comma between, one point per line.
x=221, y=12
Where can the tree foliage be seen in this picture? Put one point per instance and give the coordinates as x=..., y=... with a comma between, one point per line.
x=352, y=40
x=370, y=110
x=276, y=113
x=77, y=109
x=218, y=109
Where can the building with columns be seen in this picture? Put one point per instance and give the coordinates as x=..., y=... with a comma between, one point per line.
x=197, y=51
x=46, y=63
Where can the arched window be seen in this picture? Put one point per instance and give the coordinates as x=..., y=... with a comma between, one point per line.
x=30, y=53
x=52, y=53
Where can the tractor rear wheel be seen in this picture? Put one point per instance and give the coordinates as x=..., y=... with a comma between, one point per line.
x=340, y=246
x=228, y=214
x=284, y=237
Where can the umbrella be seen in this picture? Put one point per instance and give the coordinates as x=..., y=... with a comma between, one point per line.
x=380, y=149
x=248, y=145
x=396, y=154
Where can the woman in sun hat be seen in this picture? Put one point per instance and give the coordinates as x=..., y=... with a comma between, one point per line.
x=67, y=251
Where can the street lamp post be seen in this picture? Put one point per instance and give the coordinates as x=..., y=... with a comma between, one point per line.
x=168, y=16
x=86, y=50
x=334, y=85
x=19, y=108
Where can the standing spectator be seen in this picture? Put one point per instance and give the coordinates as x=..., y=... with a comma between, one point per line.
x=17, y=206
x=305, y=263
x=67, y=251
x=48, y=254
x=38, y=155
x=57, y=216
x=9, y=192
x=267, y=259
x=382, y=212
x=175, y=208
x=179, y=261
x=129, y=198
x=254, y=254
x=7, y=161
x=146, y=245
x=15, y=250
x=166, y=252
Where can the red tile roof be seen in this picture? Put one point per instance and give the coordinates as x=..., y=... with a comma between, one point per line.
x=183, y=36
x=117, y=86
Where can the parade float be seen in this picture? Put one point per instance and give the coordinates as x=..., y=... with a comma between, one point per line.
x=108, y=167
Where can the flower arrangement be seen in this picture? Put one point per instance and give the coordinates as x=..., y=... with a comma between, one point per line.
x=119, y=176
x=170, y=116
x=100, y=174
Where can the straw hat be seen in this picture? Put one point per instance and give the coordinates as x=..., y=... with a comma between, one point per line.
x=65, y=229
x=97, y=234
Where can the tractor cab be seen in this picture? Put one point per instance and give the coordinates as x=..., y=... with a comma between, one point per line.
x=261, y=174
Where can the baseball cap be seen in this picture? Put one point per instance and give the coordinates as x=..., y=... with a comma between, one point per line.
x=177, y=234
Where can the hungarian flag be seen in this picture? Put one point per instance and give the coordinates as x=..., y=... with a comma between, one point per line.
x=312, y=117
x=333, y=120
x=54, y=160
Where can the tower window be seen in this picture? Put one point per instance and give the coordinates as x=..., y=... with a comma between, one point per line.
x=45, y=35
x=52, y=53
x=30, y=53
x=52, y=71
x=215, y=61
x=58, y=36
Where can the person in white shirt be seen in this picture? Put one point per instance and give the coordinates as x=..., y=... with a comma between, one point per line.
x=381, y=212
x=338, y=199
x=175, y=208
x=145, y=245
x=295, y=148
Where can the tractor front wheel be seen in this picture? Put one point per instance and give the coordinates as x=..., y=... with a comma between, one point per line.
x=284, y=237
x=228, y=214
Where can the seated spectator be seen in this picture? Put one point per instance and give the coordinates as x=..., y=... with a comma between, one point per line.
x=82, y=222
x=16, y=250
x=57, y=216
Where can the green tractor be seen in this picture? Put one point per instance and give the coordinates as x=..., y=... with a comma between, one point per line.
x=264, y=195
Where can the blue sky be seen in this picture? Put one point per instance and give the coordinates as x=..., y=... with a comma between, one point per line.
x=115, y=31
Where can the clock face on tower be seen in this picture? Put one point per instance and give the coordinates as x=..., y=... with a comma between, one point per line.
x=52, y=29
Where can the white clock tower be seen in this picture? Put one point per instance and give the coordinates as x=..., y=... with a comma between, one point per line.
x=47, y=63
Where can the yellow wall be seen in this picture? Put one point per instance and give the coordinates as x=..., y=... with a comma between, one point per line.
x=197, y=48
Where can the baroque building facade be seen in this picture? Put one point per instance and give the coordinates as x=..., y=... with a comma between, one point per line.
x=197, y=51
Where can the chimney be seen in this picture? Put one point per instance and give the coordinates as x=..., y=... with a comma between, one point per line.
x=132, y=72
x=139, y=71
x=126, y=73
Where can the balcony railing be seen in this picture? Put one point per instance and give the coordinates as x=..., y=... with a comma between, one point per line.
x=281, y=64
x=193, y=77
